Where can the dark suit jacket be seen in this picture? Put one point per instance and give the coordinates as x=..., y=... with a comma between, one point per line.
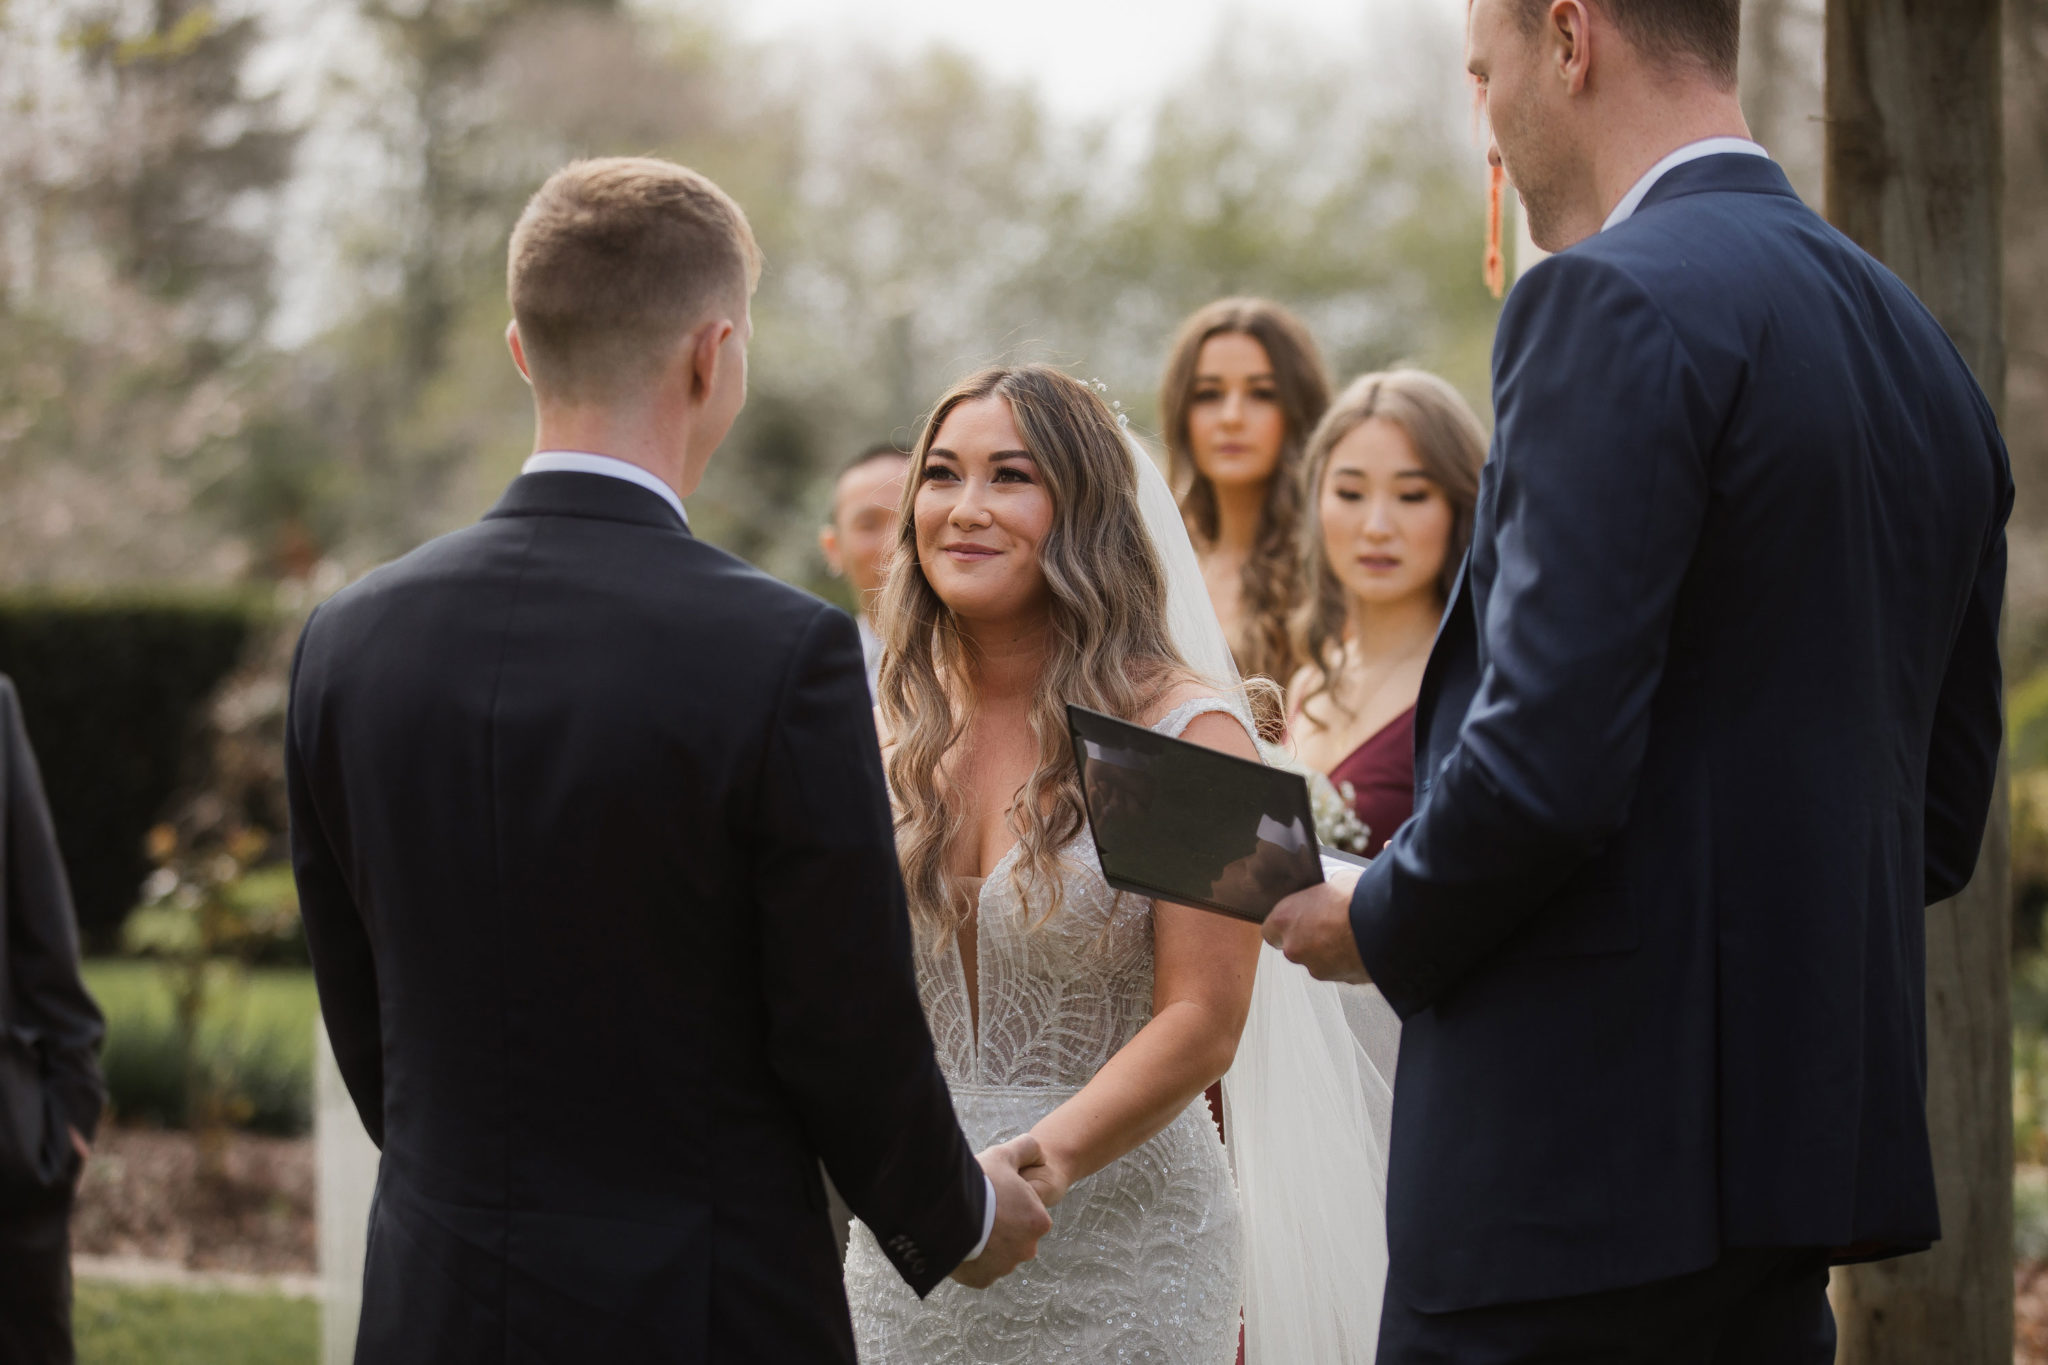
x=1713, y=716
x=49, y=1054
x=599, y=879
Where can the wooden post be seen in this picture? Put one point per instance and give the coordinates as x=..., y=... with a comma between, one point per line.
x=1915, y=175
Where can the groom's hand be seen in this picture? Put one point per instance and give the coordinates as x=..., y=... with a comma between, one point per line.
x=1313, y=928
x=1021, y=1218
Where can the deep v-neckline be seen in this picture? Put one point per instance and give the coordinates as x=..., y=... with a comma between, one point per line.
x=973, y=997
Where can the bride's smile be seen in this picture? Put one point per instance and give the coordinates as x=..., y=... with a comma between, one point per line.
x=981, y=513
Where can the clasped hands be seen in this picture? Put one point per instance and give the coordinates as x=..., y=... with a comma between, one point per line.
x=1026, y=1186
x=1311, y=927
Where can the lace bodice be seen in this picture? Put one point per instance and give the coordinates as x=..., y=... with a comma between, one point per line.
x=1144, y=1260
x=1058, y=998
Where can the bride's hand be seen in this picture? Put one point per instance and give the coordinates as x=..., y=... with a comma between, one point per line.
x=1048, y=1178
x=1019, y=1217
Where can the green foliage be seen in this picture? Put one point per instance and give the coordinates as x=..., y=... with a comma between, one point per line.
x=255, y=1039
x=2026, y=712
x=126, y=1325
x=205, y=905
x=2029, y=1091
x=210, y=903
x=115, y=690
x=2030, y=1214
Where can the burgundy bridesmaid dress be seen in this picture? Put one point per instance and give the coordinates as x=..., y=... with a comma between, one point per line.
x=1381, y=772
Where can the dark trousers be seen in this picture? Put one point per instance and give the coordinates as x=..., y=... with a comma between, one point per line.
x=1761, y=1307
x=35, y=1289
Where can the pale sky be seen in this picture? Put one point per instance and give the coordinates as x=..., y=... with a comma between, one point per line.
x=1090, y=57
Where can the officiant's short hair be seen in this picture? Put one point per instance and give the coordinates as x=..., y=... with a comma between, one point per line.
x=1706, y=32
x=613, y=261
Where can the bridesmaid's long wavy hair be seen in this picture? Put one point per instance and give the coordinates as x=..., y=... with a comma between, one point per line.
x=1109, y=646
x=1451, y=444
x=1272, y=575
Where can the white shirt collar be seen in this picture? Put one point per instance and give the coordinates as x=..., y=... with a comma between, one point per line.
x=583, y=462
x=871, y=652
x=1692, y=151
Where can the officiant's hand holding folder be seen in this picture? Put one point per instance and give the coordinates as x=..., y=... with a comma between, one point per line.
x=1177, y=821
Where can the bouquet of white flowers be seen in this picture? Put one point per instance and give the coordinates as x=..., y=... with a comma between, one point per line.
x=1337, y=824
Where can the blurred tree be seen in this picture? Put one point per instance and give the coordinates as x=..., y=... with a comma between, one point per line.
x=1914, y=175
x=919, y=219
x=2026, y=323
x=183, y=202
x=1276, y=170
x=945, y=222
x=138, y=182
x=1782, y=42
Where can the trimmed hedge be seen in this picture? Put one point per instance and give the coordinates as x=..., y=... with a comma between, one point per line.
x=114, y=690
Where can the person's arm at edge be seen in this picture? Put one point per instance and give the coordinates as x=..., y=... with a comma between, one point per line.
x=42, y=930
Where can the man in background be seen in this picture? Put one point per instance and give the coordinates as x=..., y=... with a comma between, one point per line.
x=856, y=541
x=50, y=1089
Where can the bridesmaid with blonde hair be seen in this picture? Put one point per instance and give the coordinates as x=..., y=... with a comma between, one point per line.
x=1391, y=474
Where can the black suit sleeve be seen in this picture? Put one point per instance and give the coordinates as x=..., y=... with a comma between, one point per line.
x=42, y=932
x=847, y=1033
x=1600, y=490
x=344, y=970
x=1962, y=755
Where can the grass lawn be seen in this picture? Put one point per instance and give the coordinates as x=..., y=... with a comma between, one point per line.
x=129, y=1325
x=257, y=1035
x=260, y=1000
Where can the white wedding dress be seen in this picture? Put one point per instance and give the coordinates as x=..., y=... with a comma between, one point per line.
x=1144, y=1263
x=1150, y=1258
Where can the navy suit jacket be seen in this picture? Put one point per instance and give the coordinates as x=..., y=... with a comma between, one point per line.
x=599, y=878
x=1713, y=716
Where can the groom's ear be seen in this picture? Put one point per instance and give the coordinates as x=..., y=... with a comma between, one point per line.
x=707, y=353
x=518, y=349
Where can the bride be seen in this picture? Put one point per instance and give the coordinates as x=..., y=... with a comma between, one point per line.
x=1043, y=562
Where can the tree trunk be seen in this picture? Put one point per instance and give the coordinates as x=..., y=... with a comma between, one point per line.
x=1915, y=175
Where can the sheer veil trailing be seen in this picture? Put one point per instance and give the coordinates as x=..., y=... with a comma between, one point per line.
x=1307, y=1105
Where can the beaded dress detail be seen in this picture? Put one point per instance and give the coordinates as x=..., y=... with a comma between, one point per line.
x=1144, y=1262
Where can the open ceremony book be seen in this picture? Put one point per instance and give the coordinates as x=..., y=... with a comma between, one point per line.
x=1179, y=822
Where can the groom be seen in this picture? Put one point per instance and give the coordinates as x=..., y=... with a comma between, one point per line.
x=597, y=871
x=1713, y=715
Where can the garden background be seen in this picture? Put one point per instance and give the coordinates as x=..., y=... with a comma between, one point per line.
x=251, y=299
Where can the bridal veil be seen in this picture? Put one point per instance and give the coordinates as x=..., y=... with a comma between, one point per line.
x=1308, y=1103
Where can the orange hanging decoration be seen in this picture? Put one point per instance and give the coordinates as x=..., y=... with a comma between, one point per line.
x=1496, y=181
x=1496, y=266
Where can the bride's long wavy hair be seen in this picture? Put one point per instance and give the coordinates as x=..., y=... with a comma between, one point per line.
x=1108, y=648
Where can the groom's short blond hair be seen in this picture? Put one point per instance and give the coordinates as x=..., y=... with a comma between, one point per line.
x=613, y=262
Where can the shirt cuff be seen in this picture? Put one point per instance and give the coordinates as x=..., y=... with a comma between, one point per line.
x=988, y=1221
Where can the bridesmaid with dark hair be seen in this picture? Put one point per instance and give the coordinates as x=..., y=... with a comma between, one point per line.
x=1391, y=475
x=1243, y=390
